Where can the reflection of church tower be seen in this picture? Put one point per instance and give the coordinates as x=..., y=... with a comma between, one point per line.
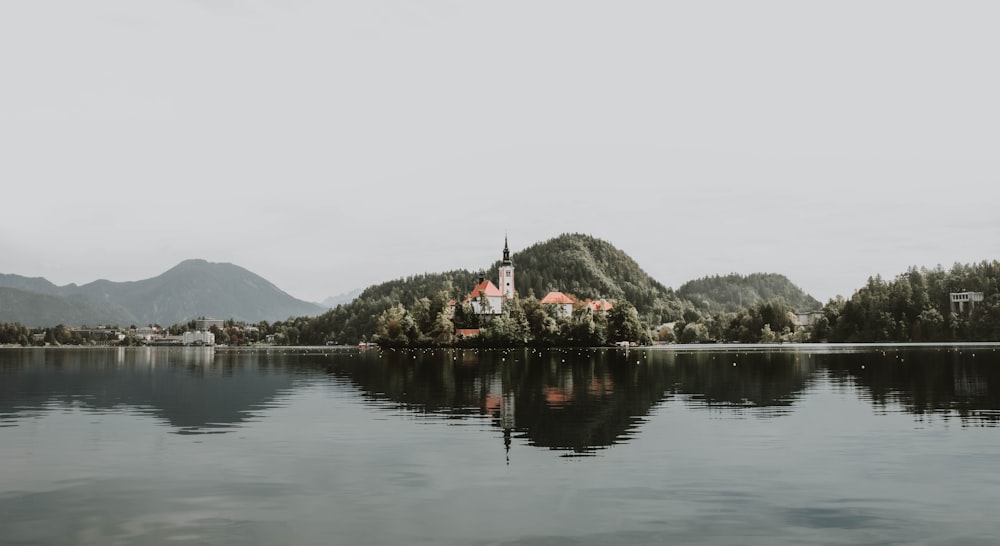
x=507, y=420
x=506, y=283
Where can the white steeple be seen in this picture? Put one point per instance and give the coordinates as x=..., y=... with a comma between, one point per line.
x=506, y=283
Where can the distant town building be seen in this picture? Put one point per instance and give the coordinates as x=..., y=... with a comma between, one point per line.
x=199, y=338
x=147, y=333
x=206, y=323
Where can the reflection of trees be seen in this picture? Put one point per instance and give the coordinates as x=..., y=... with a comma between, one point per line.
x=191, y=388
x=758, y=379
x=592, y=400
x=572, y=399
x=926, y=381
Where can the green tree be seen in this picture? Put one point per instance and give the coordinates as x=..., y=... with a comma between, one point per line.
x=624, y=324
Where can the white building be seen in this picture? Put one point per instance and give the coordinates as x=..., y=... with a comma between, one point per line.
x=486, y=298
x=959, y=300
x=199, y=338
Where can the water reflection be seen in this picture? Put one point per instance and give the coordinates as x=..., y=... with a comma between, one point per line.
x=941, y=381
x=192, y=389
x=575, y=401
x=584, y=400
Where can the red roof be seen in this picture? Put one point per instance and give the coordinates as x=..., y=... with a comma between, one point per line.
x=600, y=305
x=557, y=298
x=485, y=288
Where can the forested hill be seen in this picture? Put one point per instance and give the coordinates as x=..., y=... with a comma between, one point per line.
x=573, y=263
x=355, y=321
x=734, y=292
x=588, y=267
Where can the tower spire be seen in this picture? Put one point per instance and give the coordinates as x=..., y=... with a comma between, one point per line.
x=506, y=272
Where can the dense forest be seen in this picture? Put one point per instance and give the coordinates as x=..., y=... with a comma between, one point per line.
x=914, y=306
x=429, y=322
x=734, y=292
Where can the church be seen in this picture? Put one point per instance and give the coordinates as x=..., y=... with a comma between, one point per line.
x=488, y=298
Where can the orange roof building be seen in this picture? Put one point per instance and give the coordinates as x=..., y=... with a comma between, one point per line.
x=600, y=306
x=486, y=298
x=563, y=302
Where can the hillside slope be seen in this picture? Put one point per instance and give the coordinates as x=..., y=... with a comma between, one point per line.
x=734, y=292
x=588, y=267
x=41, y=310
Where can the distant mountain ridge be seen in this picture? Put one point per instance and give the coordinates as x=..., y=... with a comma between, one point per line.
x=33, y=309
x=339, y=299
x=191, y=289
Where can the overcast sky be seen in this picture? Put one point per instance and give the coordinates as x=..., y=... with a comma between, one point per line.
x=329, y=146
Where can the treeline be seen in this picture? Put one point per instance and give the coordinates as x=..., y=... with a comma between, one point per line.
x=13, y=333
x=916, y=306
x=18, y=334
x=913, y=307
x=233, y=332
x=354, y=322
x=430, y=322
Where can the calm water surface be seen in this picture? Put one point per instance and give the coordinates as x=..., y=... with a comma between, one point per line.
x=718, y=445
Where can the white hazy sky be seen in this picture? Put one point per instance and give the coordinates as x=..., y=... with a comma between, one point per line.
x=331, y=145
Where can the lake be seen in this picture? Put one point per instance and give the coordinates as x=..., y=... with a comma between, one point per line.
x=811, y=444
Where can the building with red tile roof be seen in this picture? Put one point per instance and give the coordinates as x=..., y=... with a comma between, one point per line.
x=599, y=305
x=562, y=302
x=486, y=298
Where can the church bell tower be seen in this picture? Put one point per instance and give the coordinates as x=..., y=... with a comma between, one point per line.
x=506, y=283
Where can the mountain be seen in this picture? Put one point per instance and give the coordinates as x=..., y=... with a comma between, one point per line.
x=38, y=310
x=578, y=264
x=734, y=292
x=38, y=285
x=191, y=289
x=346, y=297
